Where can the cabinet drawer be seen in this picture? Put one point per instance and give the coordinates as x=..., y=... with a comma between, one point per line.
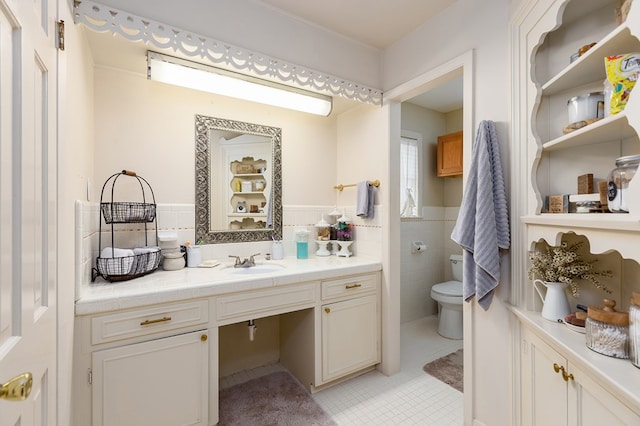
x=271, y=301
x=349, y=286
x=123, y=325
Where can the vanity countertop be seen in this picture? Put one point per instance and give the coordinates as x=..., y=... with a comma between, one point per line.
x=170, y=286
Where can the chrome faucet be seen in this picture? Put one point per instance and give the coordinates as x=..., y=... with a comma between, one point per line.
x=246, y=263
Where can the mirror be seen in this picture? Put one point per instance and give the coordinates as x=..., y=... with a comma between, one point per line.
x=238, y=181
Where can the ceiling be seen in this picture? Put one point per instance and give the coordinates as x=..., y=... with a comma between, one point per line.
x=376, y=23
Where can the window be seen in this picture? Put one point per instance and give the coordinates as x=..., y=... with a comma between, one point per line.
x=410, y=173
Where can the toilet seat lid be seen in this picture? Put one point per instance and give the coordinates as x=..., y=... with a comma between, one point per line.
x=449, y=288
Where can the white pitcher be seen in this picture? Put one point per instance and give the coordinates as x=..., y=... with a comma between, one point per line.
x=555, y=305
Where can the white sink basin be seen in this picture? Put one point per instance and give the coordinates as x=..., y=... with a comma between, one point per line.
x=266, y=268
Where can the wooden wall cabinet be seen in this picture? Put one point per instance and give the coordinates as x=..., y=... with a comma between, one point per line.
x=450, y=154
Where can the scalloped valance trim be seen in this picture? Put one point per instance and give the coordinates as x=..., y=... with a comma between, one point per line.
x=102, y=18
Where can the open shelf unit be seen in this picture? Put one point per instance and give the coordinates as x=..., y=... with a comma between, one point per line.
x=550, y=165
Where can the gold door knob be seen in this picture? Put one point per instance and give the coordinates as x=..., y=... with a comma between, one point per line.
x=204, y=337
x=327, y=310
x=560, y=369
x=566, y=376
x=18, y=388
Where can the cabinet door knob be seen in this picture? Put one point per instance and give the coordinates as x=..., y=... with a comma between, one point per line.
x=560, y=369
x=566, y=376
x=204, y=337
x=327, y=310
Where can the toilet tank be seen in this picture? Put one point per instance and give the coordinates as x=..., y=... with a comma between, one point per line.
x=456, y=266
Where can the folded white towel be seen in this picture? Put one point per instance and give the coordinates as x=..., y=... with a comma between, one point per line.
x=365, y=200
x=122, y=260
x=145, y=263
x=141, y=250
x=116, y=252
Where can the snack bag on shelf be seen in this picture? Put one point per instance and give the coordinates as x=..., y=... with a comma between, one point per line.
x=622, y=73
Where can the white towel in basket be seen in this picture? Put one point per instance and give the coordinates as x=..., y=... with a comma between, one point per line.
x=121, y=263
x=153, y=253
x=116, y=252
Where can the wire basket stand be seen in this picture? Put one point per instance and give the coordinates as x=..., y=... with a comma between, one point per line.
x=144, y=261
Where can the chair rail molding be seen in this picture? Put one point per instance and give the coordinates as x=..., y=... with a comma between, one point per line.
x=102, y=18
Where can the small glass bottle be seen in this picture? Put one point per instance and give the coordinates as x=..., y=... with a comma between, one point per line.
x=619, y=179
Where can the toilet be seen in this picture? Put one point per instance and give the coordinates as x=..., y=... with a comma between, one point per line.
x=449, y=297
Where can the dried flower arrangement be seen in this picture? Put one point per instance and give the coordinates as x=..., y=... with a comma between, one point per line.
x=564, y=264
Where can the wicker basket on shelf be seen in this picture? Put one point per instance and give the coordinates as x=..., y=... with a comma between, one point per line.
x=142, y=261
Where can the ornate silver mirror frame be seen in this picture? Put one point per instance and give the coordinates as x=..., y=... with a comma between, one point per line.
x=203, y=127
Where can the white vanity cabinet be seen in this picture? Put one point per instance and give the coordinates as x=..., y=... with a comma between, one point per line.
x=350, y=326
x=563, y=393
x=157, y=364
x=159, y=382
x=548, y=162
x=153, y=365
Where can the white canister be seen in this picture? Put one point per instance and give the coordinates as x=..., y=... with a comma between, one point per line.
x=586, y=107
x=173, y=261
x=194, y=256
x=246, y=186
x=277, y=250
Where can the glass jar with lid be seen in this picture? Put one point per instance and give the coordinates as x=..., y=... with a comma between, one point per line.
x=634, y=329
x=607, y=330
x=619, y=179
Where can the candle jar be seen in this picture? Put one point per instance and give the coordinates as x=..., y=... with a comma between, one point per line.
x=619, y=179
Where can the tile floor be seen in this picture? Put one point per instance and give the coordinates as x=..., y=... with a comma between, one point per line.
x=410, y=397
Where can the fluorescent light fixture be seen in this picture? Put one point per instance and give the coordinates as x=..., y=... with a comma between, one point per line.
x=181, y=72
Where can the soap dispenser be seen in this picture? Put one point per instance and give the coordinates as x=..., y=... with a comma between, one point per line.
x=302, y=244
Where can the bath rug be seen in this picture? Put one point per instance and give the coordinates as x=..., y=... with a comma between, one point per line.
x=275, y=399
x=447, y=369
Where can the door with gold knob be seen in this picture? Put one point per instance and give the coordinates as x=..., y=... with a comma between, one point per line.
x=350, y=333
x=162, y=382
x=28, y=207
